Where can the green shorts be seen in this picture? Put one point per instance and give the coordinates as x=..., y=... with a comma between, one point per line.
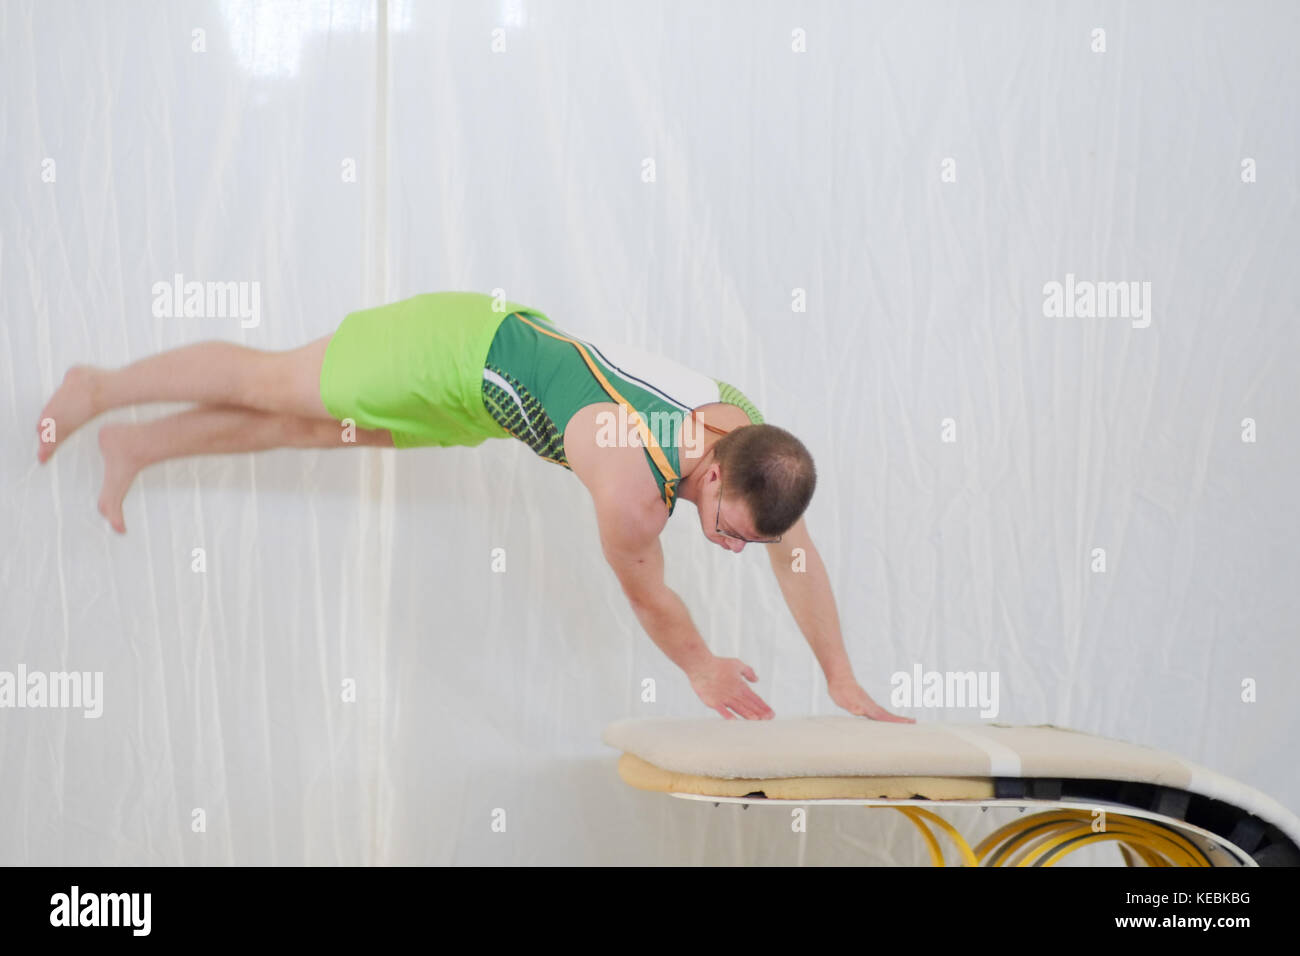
x=415, y=368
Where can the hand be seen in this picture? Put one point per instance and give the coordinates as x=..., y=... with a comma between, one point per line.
x=719, y=684
x=850, y=695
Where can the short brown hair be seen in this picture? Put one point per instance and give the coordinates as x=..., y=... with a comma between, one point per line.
x=772, y=472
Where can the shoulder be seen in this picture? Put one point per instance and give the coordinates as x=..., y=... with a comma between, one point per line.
x=630, y=515
x=623, y=490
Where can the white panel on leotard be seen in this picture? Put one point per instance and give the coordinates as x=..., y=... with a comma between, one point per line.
x=670, y=380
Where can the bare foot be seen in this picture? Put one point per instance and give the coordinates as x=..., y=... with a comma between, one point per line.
x=68, y=409
x=121, y=465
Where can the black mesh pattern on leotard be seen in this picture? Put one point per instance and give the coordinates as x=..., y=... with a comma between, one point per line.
x=530, y=424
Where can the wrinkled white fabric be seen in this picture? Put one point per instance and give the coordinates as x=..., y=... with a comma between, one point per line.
x=857, y=236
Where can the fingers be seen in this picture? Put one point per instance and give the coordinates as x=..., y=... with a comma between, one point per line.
x=748, y=711
x=743, y=701
x=740, y=708
x=879, y=713
x=750, y=706
x=895, y=718
x=757, y=705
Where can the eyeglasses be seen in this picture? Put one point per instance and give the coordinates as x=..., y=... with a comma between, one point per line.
x=718, y=527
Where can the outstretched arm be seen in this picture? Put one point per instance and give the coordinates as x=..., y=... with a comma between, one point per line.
x=806, y=588
x=630, y=541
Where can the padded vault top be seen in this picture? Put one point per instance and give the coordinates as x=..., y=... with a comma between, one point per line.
x=844, y=746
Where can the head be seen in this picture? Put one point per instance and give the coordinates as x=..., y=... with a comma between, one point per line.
x=757, y=485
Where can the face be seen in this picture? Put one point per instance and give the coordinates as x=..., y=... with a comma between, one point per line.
x=727, y=514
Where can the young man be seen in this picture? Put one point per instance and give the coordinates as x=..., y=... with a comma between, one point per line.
x=457, y=368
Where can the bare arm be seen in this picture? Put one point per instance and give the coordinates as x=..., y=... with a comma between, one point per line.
x=638, y=563
x=630, y=541
x=806, y=587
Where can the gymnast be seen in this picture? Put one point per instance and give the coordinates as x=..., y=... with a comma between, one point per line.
x=458, y=368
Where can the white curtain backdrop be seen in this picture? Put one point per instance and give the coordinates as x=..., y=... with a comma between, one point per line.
x=919, y=172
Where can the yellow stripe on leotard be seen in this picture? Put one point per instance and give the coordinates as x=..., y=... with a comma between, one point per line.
x=656, y=453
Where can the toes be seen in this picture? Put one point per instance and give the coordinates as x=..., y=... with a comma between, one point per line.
x=114, y=515
x=118, y=475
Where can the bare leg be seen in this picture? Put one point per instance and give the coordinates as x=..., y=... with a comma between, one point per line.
x=209, y=430
x=211, y=373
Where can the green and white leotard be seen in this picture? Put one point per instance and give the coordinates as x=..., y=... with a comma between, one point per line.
x=537, y=377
